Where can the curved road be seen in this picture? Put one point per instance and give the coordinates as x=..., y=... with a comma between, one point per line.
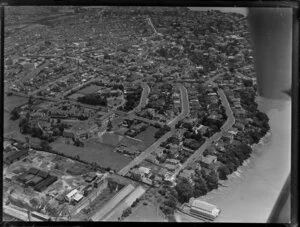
x=144, y=98
x=228, y=124
x=185, y=106
x=184, y=112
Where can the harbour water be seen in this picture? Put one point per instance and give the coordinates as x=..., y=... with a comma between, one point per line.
x=250, y=193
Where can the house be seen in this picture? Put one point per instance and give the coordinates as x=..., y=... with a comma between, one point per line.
x=202, y=129
x=188, y=175
x=233, y=131
x=239, y=113
x=194, y=166
x=138, y=127
x=159, y=151
x=170, y=167
x=77, y=197
x=151, y=158
x=15, y=156
x=208, y=161
x=240, y=126
x=144, y=171
x=158, y=178
x=213, y=106
x=172, y=161
x=71, y=194
x=90, y=177
x=213, y=117
x=136, y=174
x=127, y=150
x=162, y=173
x=228, y=137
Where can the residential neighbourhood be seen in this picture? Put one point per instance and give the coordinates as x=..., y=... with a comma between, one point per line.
x=124, y=113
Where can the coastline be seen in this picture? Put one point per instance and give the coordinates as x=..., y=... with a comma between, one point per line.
x=249, y=194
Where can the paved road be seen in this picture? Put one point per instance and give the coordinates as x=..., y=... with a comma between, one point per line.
x=184, y=112
x=211, y=80
x=228, y=124
x=151, y=24
x=185, y=106
x=144, y=97
x=144, y=154
x=18, y=213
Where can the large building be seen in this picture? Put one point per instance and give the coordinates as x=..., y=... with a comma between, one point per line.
x=203, y=210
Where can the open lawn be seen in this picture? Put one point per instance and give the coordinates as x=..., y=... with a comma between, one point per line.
x=147, y=136
x=10, y=102
x=94, y=152
x=11, y=128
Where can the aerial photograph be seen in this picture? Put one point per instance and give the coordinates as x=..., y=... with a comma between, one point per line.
x=139, y=114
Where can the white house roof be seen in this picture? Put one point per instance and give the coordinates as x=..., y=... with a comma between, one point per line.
x=72, y=193
x=78, y=197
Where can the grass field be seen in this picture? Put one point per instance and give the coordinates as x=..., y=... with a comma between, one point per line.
x=12, y=127
x=94, y=152
x=147, y=136
x=10, y=102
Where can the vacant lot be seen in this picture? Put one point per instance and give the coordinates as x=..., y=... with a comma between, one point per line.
x=89, y=89
x=94, y=152
x=144, y=213
x=147, y=136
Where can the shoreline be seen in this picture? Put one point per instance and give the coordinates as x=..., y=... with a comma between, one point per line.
x=249, y=193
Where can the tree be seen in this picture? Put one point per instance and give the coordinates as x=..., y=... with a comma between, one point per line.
x=34, y=202
x=223, y=172
x=106, y=56
x=184, y=190
x=52, y=211
x=14, y=114
x=126, y=212
x=45, y=146
x=178, y=124
x=171, y=202
x=109, y=125
x=211, y=178
x=36, y=132
x=30, y=100
x=248, y=83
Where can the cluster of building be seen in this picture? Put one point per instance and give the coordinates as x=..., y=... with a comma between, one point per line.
x=163, y=103
x=38, y=179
